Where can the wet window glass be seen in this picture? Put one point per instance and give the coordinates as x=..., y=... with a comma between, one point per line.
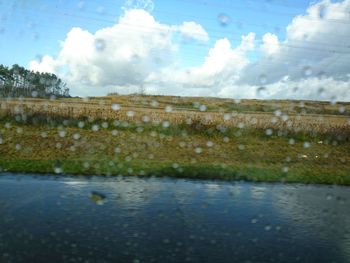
x=174, y=131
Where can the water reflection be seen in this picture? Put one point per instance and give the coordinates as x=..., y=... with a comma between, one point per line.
x=53, y=219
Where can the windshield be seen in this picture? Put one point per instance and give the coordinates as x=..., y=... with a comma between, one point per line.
x=174, y=131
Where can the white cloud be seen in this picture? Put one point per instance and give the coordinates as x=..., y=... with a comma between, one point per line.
x=270, y=44
x=45, y=64
x=193, y=30
x=140, y=51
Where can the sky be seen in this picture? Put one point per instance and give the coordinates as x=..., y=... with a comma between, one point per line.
x=273, y=49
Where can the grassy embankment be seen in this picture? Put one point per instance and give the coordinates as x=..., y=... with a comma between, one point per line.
x=307, y=142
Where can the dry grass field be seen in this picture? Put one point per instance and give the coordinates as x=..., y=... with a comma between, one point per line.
x=291, y=141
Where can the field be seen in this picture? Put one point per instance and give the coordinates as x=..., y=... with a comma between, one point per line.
x=288, y=141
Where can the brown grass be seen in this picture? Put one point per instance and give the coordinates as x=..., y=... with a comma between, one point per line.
x=158, y=109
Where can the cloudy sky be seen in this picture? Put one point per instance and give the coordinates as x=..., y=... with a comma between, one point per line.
x=238, y=49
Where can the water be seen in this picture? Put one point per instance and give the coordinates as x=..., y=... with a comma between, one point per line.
x=75, y=219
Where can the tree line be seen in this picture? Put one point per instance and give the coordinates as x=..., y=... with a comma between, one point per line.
x=17, y=81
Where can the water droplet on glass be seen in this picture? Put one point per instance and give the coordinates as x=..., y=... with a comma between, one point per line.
x=198, y=150
x=329, y=196
x=306, y=145
x=81, y=124
x=262, y=79
x=321, y=91
x=57, y=169
x=202, y=108
x=307, y=71
x=76, y=136
x=268, y=132
x=100, y=44
x=97, y=198
x=267, y=228
x=115, y=107
x=130, y=113
x=210, y=144
x=223, y=19
x=333, y=100
x=261, y=91
x=322, y=11
x=34, y=94
x=81, y=5
x=285, y=169
x=241, y=147
x=100, y=10
x=168, y=108
x=62, y=134
x=165, y=124
x=154, y=103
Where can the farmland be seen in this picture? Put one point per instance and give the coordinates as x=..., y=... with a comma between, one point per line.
x=289, y=141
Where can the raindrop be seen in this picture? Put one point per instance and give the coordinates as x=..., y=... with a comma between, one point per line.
x=76, y=136
x=202, y=108
x=227, y=116
x=223, y=19
x=34, y=94
x=81, y=124
x=198, y=150
x=267, y=228
x=130, y=113
x=262, y=79
x=333, y=100
x=240, y=125
x=168, y=108
x=307, y=71
x=261, y=91
x=97, y=198
x=100, y=44
x=268, y=132
x=100, y=10
x=321, y=91
x=95, y=127
x=322, y=11
x=306, y=145
x=291, y=141
x=115, y=107
x=165, y=124
x=20, y=130
x=241, y=147
x=81, y=5
x=154, y=103
x=329, y=196
x=57, y=169
x=145, y=119
x=210, y=144
x=62, y=134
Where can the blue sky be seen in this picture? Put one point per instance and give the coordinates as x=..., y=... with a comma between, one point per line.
x=34, y=28
x=274, y=40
